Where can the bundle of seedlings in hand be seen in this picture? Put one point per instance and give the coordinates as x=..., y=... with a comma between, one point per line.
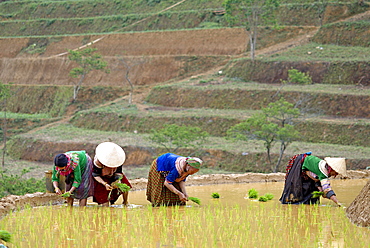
x=194, y=199
x=215, y=195
x=66, y=194
x=252, y=194
x=317, y=194
x=5, y=236
x=121, y=186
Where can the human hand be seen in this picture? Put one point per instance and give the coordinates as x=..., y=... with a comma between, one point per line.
x=108, y=187
x=58, y=191
x=182, y=197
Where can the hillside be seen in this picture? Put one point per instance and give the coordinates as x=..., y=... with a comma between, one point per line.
x=183, y=73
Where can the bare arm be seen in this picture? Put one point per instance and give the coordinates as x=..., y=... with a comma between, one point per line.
x=172, y=188
x=335, y=199
x=183, y=189
x=56, y=187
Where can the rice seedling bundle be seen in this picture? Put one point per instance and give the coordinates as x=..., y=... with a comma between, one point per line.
x=252, y=194
x=66, y=194
x=317, y=194
x=215, y=195
x=5, y=236
x=122, y=187
x=194, y=199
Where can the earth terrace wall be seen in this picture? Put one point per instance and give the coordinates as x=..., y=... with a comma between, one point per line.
x=349, y=73
x=345, y=34
x=225, y=41
x=21, y=125
x=58, y=100
x=336, y=105
x=353, y=134
x=55, y=71
x=43, y=151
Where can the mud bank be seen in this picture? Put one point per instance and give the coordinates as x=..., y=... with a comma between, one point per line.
x=14, y=202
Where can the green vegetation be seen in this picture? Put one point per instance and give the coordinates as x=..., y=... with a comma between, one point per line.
x=252, y=194
x=17, y=185
x=269, y=196
x=172, y=137
x=317, y=194
x=66, y=194
x=194, y=199
x=274, y=124
x=58, y=18
x=5, y=236
x=215, y=195
x=208, y=225
x=122, y=187
x=213, y=104
x=297, y=77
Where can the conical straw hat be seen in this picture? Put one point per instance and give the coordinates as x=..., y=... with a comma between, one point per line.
x=110, y=154
x=338, y=164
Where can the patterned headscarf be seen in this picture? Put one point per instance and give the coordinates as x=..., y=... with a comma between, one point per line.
x=194, y=162
x=65, y=159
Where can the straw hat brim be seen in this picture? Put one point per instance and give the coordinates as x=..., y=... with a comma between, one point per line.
x=338, y=164
x=110, y=154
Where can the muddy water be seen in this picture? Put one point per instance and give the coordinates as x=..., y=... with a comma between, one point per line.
x=231, y=221
x=346, y=191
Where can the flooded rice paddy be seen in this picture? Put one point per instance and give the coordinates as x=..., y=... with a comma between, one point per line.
x=230, y=221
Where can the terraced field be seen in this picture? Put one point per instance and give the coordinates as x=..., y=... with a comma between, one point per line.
x=188, y=67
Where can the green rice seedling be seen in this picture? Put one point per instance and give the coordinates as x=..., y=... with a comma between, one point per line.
x=194, y=199
x=303, y=226
x=317, y=194
x=252, y=194
x=121, y=186
x=215, y=195
x=5, y=236
x=269, y=196
x=66, y=194
x=263, y=199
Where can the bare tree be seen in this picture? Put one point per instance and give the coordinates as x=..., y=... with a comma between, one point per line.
x=128, y=66
x=249, y=14
x=87, y=61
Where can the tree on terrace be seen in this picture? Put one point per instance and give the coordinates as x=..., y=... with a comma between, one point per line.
x=172, y=137
x=250, y=14
x=87, y=61
x=274, y=124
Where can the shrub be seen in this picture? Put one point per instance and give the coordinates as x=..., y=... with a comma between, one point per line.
x=297, y=77
x=16, y=185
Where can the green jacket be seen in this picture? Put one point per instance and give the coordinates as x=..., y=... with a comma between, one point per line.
x=80, y=158
x=311, y=163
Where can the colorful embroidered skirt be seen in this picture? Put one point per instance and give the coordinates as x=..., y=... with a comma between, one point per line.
x=157, y=193
x=86, y=187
